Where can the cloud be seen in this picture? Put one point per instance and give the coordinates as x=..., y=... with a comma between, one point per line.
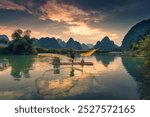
x=9, y=30
x=66, y=12
x=6, y=30
x=66, y=18
x=90, y=20
x=77, y=19
x=58, y=11
x=9, y=5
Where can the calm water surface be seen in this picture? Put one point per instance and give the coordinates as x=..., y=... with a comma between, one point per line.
x=33, y=77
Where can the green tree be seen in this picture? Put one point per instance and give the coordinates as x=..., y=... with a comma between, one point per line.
x=22, y=43
x=144, y=46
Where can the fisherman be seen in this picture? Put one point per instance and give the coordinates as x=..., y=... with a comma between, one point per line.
x=82, y=62
x=72, y=56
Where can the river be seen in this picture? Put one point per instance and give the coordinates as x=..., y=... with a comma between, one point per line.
x=112, y=77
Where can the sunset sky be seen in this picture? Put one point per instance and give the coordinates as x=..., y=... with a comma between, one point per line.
x=85, y=20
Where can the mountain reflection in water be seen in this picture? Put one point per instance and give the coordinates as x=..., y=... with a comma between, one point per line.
x=111, y=77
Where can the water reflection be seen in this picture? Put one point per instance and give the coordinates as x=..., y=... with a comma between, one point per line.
x=72, y=72
x=105, y=58
x=146, y=67
x=56, y=65
x=139, y=69
x=145, y=90
x=20, y=66
x=112, y=78
x=56, y=61
x=133, y=66
x=4, y=64
x=70, y=82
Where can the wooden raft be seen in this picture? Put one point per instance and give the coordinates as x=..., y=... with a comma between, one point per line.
x=76, y=63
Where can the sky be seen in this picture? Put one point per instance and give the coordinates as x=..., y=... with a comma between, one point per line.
x=87, y=21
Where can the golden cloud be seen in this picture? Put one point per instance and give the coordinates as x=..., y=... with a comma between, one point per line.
x=9, y=30
x=60, y=12
x=6, y=30
x=9, y=5
x=77, y=19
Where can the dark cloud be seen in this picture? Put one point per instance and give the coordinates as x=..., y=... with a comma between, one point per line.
x=22, y=19
x=116, y=10
x=105, y=5
x=31, y=4
x=118, y=15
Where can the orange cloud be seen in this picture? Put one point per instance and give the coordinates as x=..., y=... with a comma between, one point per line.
x=9, y=5
x=6, y=30
x=77, y=19
x=60, y=12
x=9, y=30
x=93, y=34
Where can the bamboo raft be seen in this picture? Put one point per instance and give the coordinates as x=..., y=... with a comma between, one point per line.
x=76, y=63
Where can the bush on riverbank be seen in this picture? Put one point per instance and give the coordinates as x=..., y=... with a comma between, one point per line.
x=142, y=48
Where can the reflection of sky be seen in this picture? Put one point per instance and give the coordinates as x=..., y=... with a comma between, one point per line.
x=89, y=82
x=94, y=80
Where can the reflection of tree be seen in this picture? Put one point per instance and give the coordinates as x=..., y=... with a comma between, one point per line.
x=146, y=83
x=133, y=67
x=143, y=48
x=21, y=66
x=72, y=72
x=146, y=67
x=139, y=69
x=4, y=64
x=105, y=59
x=56, y=65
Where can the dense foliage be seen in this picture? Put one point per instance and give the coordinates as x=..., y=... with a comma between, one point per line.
x=22, y=44
x=142, y=47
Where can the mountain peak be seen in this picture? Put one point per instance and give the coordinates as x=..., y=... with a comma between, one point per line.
x=105, y=39
x=106, y=44
x=4, y=37
x=71, y=44
x=135, y=34
x=46, y=42
x=71, y=39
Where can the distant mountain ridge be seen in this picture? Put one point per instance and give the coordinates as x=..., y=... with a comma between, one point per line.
x=71, y=44
x=4, y=41
x=61, y=43
x=106, y=45
x=135, y=33
x=85, y=47
x=4, y=38
x=133, y=36
x=90, y=45
x=49, y=43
